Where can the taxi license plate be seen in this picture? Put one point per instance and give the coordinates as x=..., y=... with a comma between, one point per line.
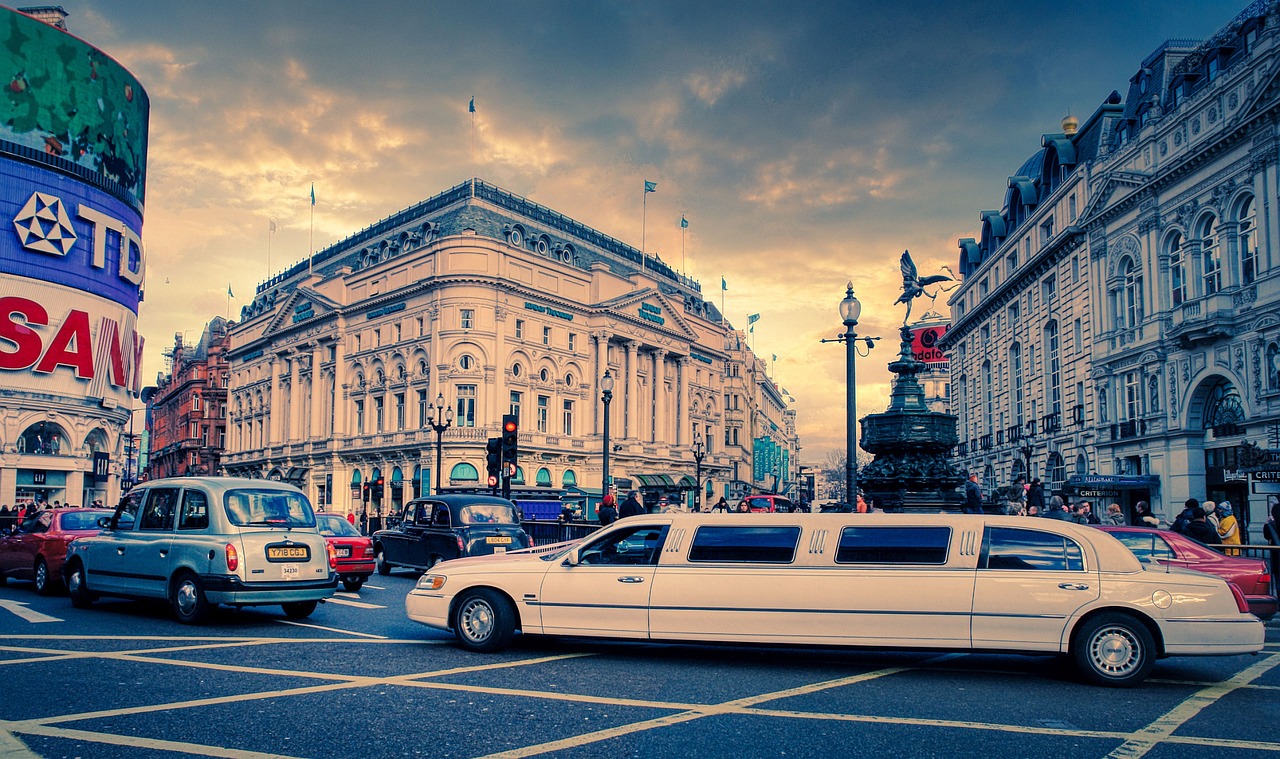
x=291, y=571
x=288, y=553
x=500, y=540
x=344, y=551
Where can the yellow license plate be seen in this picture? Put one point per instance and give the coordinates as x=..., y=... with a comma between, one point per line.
x=498, y=541
x=288, y=553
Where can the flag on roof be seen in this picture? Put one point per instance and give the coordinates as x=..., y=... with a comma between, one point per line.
x=471, y=107
x=753, y=318
x=723, y=285
x=650, y=186
x=313, y=193
x=229, y=293
x=684, y=223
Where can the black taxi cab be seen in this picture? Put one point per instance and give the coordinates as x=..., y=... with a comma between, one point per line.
x=449, y=526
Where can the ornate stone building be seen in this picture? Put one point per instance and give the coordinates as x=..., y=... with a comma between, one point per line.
x=1119, y=322
x=489, y=304
x=187, y=408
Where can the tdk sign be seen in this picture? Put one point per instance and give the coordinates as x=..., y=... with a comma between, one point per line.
x=69, y=233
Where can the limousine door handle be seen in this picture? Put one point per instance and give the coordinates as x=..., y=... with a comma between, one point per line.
x=631, y=578
x=1072, y=586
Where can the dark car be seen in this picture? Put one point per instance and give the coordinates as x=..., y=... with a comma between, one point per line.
x=449, y=526
x=353, y=550
x=1172, y=549
x=37, y=546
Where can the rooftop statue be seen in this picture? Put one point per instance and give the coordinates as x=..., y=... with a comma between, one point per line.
x=913, y=285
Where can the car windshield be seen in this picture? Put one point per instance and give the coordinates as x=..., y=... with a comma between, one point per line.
x=334, y=526
x=268, y=508
x=487, y=513
x=82, y=520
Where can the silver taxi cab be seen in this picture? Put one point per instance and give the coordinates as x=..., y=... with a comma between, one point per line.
x=202, y=541
x=961, y=582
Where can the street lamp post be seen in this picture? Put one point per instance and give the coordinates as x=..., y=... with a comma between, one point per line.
x=699, y=453
x=850, y=310
x=606, y=395
x=440, y=417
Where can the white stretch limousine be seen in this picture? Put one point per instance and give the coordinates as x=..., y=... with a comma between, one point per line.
x=880, y=580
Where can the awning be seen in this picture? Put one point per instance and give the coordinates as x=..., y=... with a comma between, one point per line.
x=665, y=480
x=296, y=476
x=1114, y=482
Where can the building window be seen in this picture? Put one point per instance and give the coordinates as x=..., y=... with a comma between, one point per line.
x=543, y=402
x=192, y=431
x=568, y=418
x=1071, y=205
x=1211, y=255
x=1048, y=289
x=399, y=411
x=377, y=337
x=1078, y=329
x=1131, y=294
x=1046, y=230
x=1132, y=396
x=423, y=417
x=466, y=410
x=982, y=288
x=1103, y=413
x=377, y=412
x=1055, y=367
x=466, y=362
x=195, y=402
x=989, y=389
x=468, y=318
x=359, y=417
x=1177, y=270
x=519, y=329
x=1011, y=261
x=546, y=335
x=420, y=325
x=1273, y=366
x=573, y=341
x=1248, y=242
x=1015, y=369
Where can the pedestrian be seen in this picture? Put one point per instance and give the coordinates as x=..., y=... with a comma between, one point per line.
x=721, y=505
x=1142, y=516
x=1086, y=509
x=876, y=506
x=972, y=495
x=1210, y=514
x=351, y=518
x=1115, y=515
x=566, y=514
x=861, y=506
x=1032, y=510
x=630, y=506
x=608, y=511
x=1271, y=531
x=1058, y=509
x=1228, y=528
x=1199, y=529
x=1189, y=509
x=1035, y=495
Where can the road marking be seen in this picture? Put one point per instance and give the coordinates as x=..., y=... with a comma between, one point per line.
x=110, y=739
x=330, y=629
x=375, y=587
x=31, y=615
x=357, y=604
x=12, y=748
x=1163, y=728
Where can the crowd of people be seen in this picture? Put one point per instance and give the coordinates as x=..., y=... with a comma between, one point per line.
x=11, y=516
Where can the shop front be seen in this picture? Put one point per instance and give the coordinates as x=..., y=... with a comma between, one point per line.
x=1126, y=490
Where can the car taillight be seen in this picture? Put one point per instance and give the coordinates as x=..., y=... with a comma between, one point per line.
x=233, y=558
x=333, y=555
x=462, y=547
x=1264, y=581
x=1241, y=604
x=368, y=550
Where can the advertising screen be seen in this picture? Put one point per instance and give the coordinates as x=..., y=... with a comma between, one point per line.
x=65, y=99
x=924, y=344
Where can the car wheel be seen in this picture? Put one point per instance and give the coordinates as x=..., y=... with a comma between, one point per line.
x=380, y=559
x=484, y=622
x=1114, y=649
x=78, y=587
x=298, y=609
x=44, y=583
x=352, y=584
x=189, y=604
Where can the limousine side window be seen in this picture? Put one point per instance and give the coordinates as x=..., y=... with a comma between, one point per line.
x=768, y=545
x=1147, y=546
x=893, y=545
x=635, y=546
x=1015, y=548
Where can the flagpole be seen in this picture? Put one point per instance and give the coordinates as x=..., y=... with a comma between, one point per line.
x=723, y=287
x=472, y=108
x=271, y=230
x=644, y=208
x=684, y=267
x=311, y=243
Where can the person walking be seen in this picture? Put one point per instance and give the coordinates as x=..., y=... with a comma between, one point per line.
x=1271, y=531
x=1115, y=515
x=1142, y=516
x=1058, y=509
x=608, y=511
x=1198, y=528
x=1035, y=496
x=630, y=506
x=972, y=495
x=1228, y=528
x=721, y=505
x=1210, y=514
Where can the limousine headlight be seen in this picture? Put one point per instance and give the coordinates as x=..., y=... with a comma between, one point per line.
x=431, y=582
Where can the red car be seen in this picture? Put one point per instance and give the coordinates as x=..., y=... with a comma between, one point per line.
x=354, y=551
x=37, y=547
x=1177, y=550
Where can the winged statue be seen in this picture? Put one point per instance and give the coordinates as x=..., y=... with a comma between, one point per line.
x=913, y=284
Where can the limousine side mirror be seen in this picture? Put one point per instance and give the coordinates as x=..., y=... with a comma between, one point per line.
x=571, y=558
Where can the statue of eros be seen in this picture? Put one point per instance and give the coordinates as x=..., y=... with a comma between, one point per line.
x=913, y=285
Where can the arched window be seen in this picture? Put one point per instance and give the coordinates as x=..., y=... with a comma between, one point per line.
x=464, y=472
x=989, y=479
x=543, y=478
x=1248, y=241
x=1057, y=468
x=569, y=478
x=518, y=477
x=466, y=362
x=1210, y=255
x=1223, y=411
x=1082, y=464
x=1177, y=270
x=44, y=439
x=1131, y=293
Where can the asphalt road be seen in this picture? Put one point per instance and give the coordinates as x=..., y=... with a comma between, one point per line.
x=357, y=679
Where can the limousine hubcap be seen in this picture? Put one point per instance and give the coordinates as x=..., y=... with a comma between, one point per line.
x=1115, y=651
x=477, y=620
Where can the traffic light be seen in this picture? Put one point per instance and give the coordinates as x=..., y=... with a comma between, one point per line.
x=366, y=491
x=493, y=458
x=377, y=489
x=510, y=433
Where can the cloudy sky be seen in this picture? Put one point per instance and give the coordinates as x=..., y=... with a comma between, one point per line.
x=807, y=143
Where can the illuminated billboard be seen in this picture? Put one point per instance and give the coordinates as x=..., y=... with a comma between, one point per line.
x=64, y=101
x=924, y=344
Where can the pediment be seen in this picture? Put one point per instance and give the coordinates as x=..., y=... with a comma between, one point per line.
x=302, y=306
x=650, y=308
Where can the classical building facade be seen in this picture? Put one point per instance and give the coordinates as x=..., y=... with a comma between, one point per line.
x=187, y=408
x=1119, y=323
x=489, y=304
x=73, y=143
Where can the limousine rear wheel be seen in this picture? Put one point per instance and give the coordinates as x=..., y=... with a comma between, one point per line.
x=1114, y=649
x=485, y=621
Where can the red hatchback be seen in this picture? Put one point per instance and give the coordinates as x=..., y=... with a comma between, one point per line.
x=354, y=551
x=1177, y=550
x=37, y=547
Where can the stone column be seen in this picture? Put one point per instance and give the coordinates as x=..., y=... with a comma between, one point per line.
x=275, y=412
x=295, y=397
x=317, y=393
x=660, y=421
x=630, y=428
x=340, y=401
x=682, y=400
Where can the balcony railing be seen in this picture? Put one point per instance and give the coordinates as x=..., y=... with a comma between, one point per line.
x=1128, y=429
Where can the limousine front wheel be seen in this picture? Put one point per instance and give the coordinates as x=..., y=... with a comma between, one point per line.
x=485, y=621
x=1114, y=649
